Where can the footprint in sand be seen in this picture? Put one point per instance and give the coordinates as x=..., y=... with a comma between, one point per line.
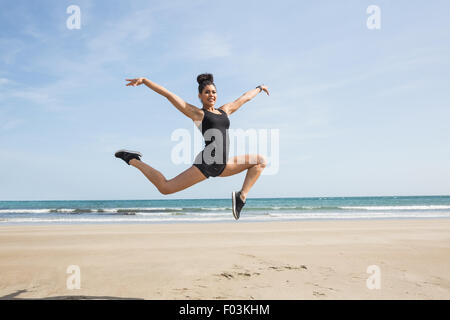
x=245, y=274
x=282, y=268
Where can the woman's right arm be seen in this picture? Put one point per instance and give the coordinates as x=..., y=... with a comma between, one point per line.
x=187, y=109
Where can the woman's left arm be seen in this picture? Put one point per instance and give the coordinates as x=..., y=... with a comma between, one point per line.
x=231, y=107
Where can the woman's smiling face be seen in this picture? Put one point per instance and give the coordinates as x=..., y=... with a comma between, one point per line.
x=208, y=96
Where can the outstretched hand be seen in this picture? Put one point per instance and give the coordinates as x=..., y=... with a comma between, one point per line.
x=265, y=89
x=135, y=82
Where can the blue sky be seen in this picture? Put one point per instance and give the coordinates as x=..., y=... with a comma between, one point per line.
x=360, y=112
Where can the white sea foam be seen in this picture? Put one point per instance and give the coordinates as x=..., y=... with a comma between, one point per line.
x=71, y=210
x=25, y=210
x=228, y=217
x=155, y=214
x=100, y=220
x=187, y=214
x=359, y=215
x=258, y=212
x=146, y=209
x=429, y=207
x=170, y=210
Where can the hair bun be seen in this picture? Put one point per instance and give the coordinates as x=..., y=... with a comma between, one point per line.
x=205, y=77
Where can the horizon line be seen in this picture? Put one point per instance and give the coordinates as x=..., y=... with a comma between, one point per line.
x=317, y=197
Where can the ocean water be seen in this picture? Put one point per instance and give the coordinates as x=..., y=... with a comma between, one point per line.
x=219, y=210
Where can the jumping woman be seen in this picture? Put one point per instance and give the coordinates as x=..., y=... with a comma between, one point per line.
x=213, y=160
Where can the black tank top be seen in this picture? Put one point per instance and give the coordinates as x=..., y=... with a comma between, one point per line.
x=219, y=123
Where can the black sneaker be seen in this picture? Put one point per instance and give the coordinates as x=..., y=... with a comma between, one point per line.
x=127, y=155
x=238, y=204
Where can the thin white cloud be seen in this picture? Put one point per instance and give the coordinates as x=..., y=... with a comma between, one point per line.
x=10, y=49
x=11, y=124
x=114, y=43
x=206, y=46
x=45, y=97
x=33, y=95
x=4, y=81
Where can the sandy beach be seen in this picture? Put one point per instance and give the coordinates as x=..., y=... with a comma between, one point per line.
x=275, y=260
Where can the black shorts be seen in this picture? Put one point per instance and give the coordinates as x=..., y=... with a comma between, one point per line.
x=209, y=170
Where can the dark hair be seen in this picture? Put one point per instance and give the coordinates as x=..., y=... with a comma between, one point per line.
x=203, y=80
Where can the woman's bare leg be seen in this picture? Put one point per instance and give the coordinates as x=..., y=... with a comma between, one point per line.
x=253, y=163
x=182, y=181
x=250, y=178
